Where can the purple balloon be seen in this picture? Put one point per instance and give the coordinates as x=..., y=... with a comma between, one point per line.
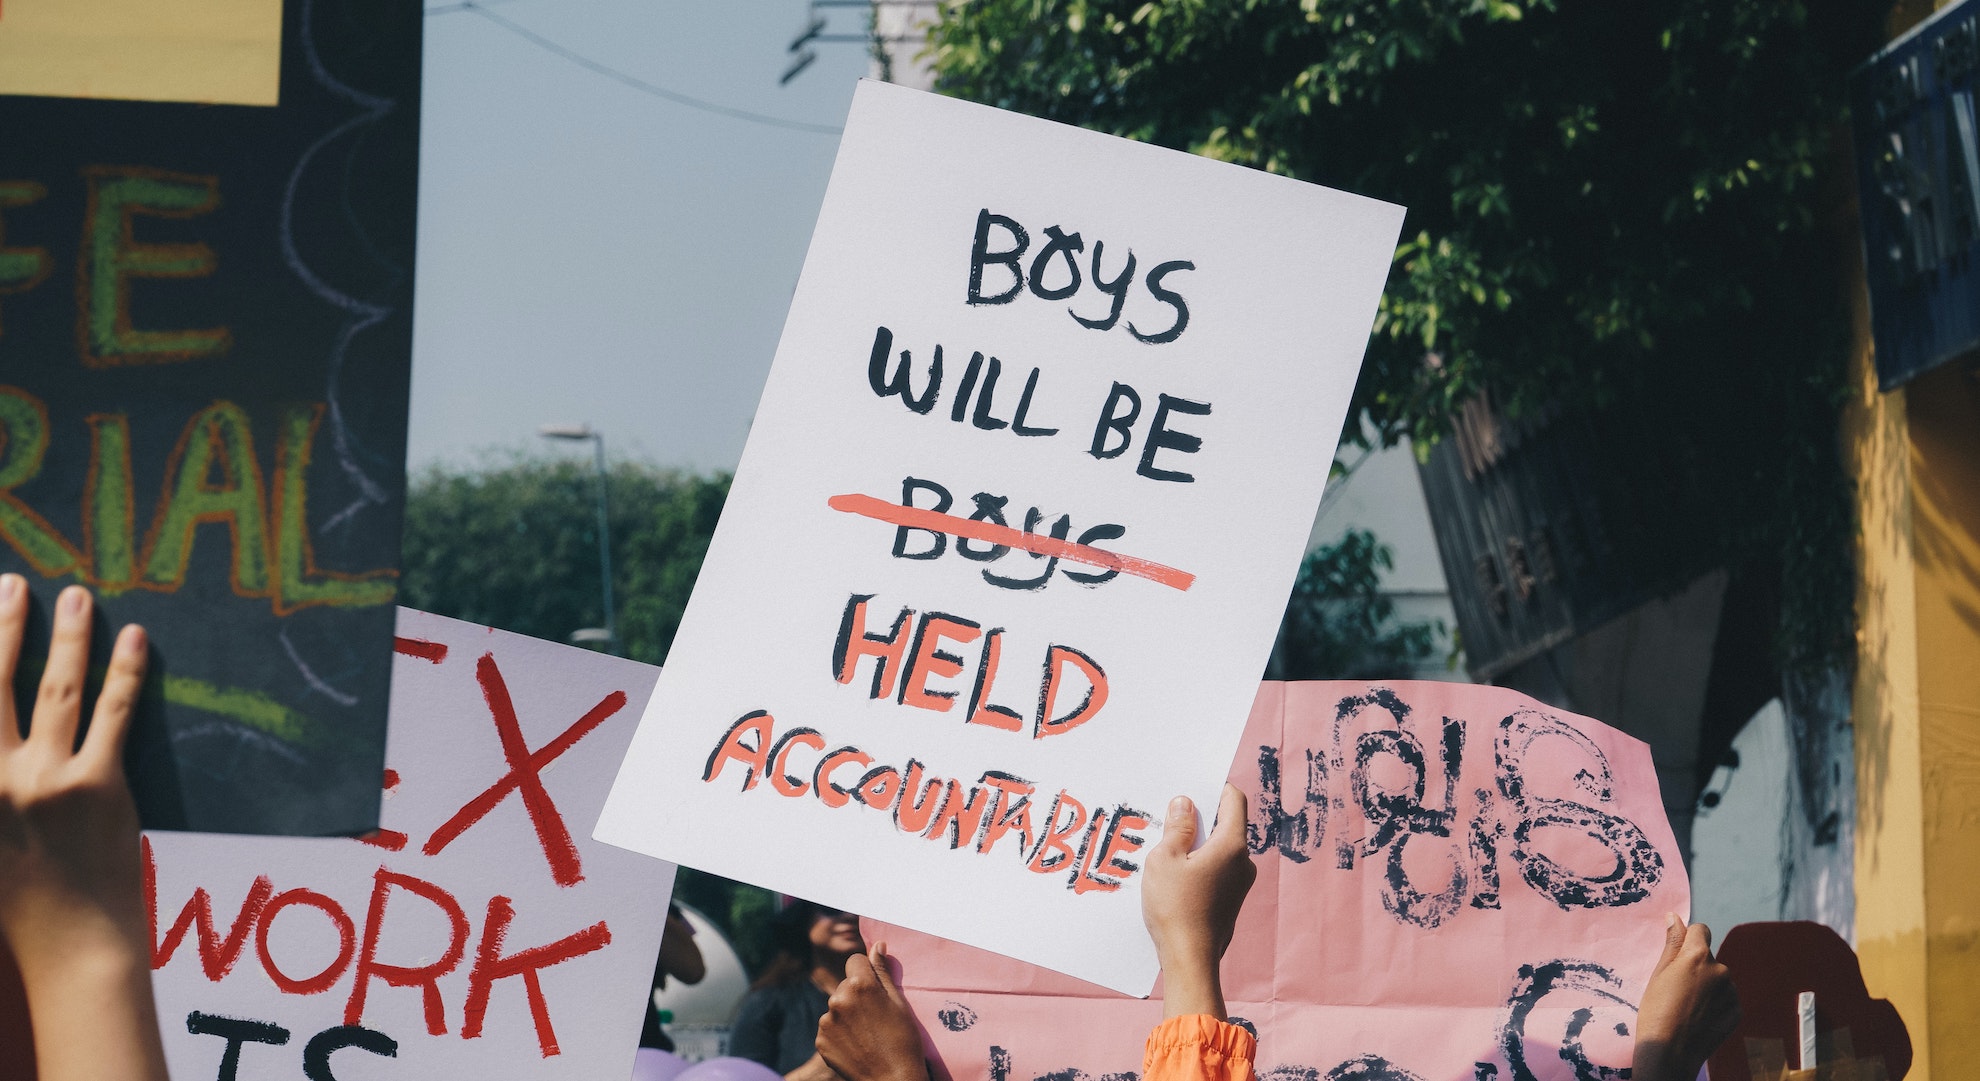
x=729, y=1069
x=653, y=1064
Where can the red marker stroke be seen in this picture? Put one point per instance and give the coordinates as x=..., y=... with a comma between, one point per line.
x=937, y=522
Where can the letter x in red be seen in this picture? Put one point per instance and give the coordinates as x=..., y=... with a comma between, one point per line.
x=525, y=769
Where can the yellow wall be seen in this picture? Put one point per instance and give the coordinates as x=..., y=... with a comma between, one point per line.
x=1890, y=835
x=1942, y=410
x=1916, y=457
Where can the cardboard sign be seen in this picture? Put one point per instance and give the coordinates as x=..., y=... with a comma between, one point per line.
x=1016, y=522
x=214, y=51
x=479, y=933
x=206, y=328
x=1453, y=882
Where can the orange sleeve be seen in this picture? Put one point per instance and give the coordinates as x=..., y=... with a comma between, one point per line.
x=1198, y=1047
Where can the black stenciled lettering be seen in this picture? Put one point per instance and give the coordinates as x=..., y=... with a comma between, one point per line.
x=1398, y=817
x=316, y=1053
x=1103, y=531
x=1118, y=289
x=1370, y=1068
x=1064, y=245
x=955, y=1016
x=1486, y=829
x=1060, y=529
x=985, y=398
x=989, y=508
x=1294, y=835
x=901, y=382
x=938, y=542
x=981, y=256
x=1161, y=437
x=1169, y=297
x=1638, y=865
x=1000, y=1064
x=1536, y=982
x=959, y=408
x=236, y=1031
x=1112, y=420
x=1024, y=410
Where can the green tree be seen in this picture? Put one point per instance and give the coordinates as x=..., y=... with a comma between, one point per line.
x=515, y=546
x=1339, y=624
x=1612, y=207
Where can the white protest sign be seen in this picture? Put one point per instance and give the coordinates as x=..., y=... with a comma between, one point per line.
x=480, y=933
x=1010, y=541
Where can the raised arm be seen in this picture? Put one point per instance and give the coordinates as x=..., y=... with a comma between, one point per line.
x=1190, y=902
x=71, y=892
x=1688, y=1010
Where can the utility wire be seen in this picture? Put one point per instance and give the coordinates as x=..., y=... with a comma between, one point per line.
x=618, y=76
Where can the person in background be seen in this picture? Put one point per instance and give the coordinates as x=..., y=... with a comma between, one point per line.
x=1190, y=902
x=71, y=884
x=679, y=958
x=777, y=1024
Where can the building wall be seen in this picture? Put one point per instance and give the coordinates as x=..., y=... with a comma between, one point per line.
x=1915, y=453
x=1383, y=494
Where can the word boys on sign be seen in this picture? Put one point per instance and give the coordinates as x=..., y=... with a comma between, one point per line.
x=1009, y=543
x=477, y=929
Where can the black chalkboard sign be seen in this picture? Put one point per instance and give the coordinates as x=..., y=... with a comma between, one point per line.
x=205, y=336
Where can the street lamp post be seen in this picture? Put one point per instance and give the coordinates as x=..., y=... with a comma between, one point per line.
x=582, y=433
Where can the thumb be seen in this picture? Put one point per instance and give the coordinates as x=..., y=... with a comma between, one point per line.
x=881, y=974
x=1231, y=807
x=1674, y=931
x=1179, y=828
x=855, y=964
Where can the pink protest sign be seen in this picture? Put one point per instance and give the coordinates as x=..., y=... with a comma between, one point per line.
x=1455, y=882
x=479, y=933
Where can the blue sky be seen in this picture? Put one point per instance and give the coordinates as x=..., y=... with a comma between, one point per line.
x=591, y=252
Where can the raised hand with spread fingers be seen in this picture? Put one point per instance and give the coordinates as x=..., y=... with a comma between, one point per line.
x=71, y=887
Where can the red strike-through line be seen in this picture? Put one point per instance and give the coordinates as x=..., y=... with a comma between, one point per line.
x=937, y=522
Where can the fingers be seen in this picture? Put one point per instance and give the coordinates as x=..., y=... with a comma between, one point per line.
x=880, y=973
x=1229, y=831
x=858, y=968
x=13, y=626
x=58, y=706
x=104, y=745
x=1179, y=828
x=1674, y=934
x=1700, y=936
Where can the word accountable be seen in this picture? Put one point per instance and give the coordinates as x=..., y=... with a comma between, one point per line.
x=1089, y=848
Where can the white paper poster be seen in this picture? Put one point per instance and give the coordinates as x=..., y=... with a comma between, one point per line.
x=1018, y=517
x=480, y=933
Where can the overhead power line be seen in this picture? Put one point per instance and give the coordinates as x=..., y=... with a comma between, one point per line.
x=621, y=77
